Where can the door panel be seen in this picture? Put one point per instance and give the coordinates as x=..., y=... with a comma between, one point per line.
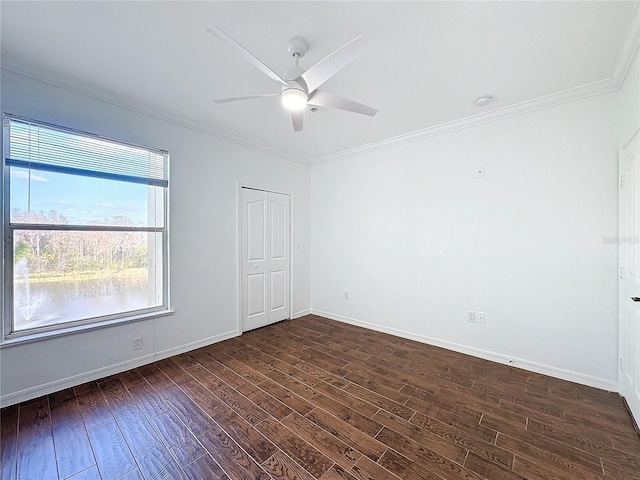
x=630, y=282
x=256, y=229
x=256, y=295
x=279, y=230
x=265, y=262
x=278, y=290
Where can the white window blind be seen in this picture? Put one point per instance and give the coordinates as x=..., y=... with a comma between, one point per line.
x=39, y=146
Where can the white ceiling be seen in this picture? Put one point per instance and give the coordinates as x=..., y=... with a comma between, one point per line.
x=425, y=63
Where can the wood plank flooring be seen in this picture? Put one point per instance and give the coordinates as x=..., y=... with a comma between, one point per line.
x=316, y=399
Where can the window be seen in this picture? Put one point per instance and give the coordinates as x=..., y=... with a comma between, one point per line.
x=85, y=228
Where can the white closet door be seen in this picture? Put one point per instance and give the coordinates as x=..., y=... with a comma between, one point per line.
x=278, y=258
x=265, y=257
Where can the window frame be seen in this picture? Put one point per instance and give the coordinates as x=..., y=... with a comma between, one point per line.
x=9, y=334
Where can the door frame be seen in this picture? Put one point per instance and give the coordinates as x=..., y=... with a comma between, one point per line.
x=240, y=186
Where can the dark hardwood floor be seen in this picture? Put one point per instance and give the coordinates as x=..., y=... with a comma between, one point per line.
x=317, y=399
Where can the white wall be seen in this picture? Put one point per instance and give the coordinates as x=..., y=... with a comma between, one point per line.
x=205, y=173
x=417, y=240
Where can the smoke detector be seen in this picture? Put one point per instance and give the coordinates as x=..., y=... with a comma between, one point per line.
x=484, y=100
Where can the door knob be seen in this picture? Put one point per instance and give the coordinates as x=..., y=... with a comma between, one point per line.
x=635, y=299
x=255, y=265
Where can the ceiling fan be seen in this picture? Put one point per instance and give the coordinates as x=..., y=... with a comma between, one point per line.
x=300, y=87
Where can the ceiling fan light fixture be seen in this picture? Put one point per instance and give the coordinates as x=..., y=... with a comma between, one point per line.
x=294, y=99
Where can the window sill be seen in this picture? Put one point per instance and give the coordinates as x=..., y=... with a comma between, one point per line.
x=22, y=338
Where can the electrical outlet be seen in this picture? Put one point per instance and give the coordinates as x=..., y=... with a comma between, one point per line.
x=346, y=295
x=137, y=343
x=471, y=316
x=480, y=317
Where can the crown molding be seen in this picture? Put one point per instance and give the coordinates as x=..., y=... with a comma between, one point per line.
x=596, y=88
x=10, y=64
x=624, y=57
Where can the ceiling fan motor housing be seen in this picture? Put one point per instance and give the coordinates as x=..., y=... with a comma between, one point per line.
x=292, y=76
x=294, y=94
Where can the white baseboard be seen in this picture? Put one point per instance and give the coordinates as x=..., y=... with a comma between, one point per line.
x=536, y=367
x=301, y=313
x=187, y=347
x=72, y=381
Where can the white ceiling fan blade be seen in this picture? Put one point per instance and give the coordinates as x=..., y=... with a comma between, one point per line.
x=216, y=32
x=296, y=118
x=235, y=99
x=328, y=67
x=324, y=99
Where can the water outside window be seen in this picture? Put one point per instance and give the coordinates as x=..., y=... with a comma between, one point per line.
x=64, y=276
